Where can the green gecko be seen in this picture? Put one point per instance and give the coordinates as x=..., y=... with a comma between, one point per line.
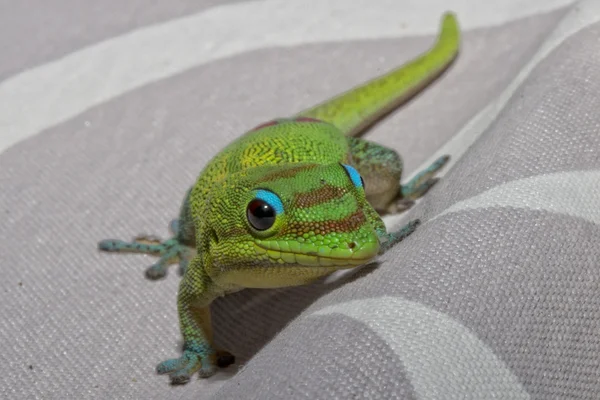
x=290, y=202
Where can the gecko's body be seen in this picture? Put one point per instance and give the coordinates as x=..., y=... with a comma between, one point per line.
x=291, y=201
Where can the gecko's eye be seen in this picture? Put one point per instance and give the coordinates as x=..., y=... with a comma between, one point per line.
x=262, y=211
x=260, y=215
x=354, y=176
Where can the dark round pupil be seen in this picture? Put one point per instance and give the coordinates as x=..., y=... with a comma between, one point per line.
x=260, y=215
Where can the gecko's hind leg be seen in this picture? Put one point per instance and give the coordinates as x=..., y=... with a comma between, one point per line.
x=381, y=168
x=420, y=184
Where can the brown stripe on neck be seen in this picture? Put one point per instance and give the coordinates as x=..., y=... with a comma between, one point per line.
x=318, y=196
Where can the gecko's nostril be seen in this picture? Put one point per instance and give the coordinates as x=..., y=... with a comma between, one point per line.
x=351, y=245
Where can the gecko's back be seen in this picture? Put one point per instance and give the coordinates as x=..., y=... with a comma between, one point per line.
x=281, y=141
x=322, y=134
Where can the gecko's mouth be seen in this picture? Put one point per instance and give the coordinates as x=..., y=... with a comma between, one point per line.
x=321, y=257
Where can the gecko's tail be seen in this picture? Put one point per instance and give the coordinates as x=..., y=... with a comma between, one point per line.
x=358, y=108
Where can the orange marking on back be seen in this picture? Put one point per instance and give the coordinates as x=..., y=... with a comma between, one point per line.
x=264, y=125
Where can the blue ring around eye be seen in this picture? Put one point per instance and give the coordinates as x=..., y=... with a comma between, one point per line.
x=271, y=199
x=354, y=175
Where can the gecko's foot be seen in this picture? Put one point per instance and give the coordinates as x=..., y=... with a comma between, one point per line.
x=180, y=370
x=169, y=251
x=388, y=240
x=420, y=184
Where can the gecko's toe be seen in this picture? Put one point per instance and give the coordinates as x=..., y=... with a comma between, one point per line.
x=156, y=271
x=208, y=371
x=148, y=239
x=181, y=369
x=111, y=245
x=174, y=226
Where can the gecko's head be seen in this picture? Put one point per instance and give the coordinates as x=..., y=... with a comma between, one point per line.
x=291, y=224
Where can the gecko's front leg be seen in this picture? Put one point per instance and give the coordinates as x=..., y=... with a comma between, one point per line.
x=196, y=292
x=180, y=248
x=169, y=251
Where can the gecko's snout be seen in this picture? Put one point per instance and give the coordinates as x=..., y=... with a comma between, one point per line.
x=359, y=249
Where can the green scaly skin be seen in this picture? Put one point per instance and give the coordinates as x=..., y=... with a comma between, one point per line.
x=321, y=190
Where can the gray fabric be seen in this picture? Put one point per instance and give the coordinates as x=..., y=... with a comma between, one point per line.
x=323, y=367
x=37, y=31
x=495, y=296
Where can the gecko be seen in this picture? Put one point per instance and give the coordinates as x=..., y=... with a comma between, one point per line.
x=291, y=201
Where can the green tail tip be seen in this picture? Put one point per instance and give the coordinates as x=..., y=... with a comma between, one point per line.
x=450, y=28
